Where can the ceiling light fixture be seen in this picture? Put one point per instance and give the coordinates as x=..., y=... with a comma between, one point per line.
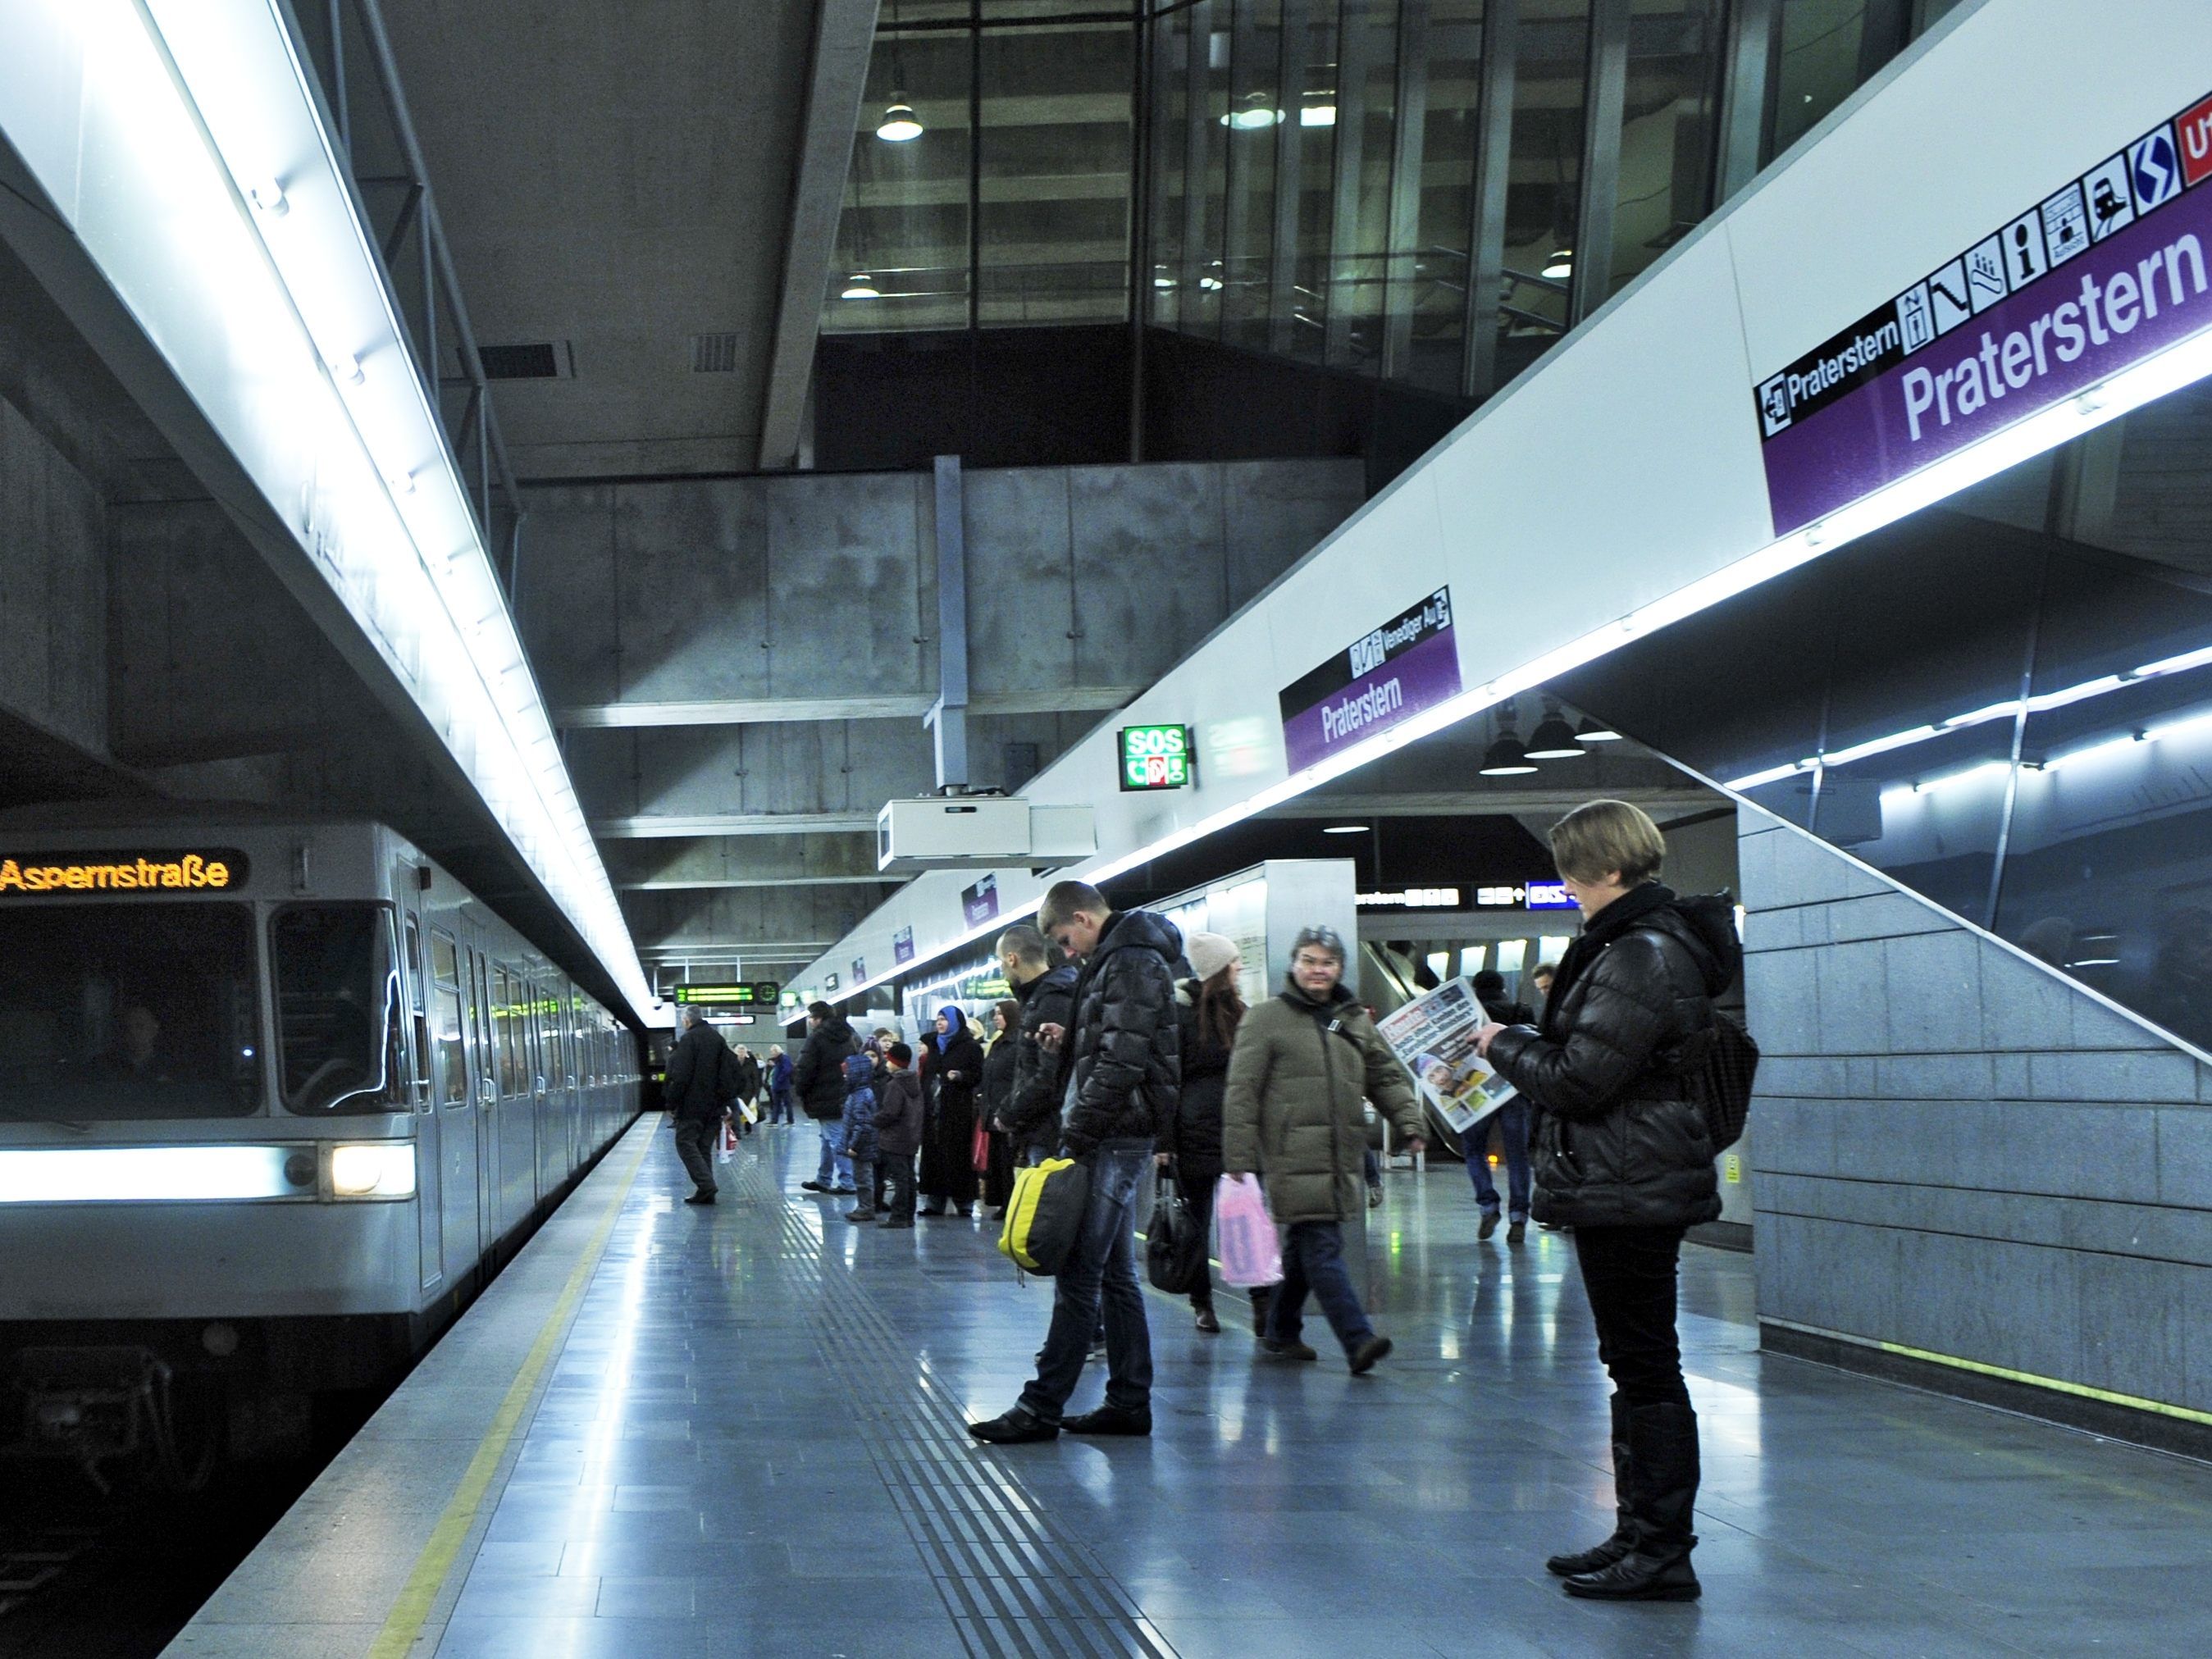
x=862, y=287
x=1554, y=739
x=1254, y=115
x=1506, y=758
x=1561, y=265
x=1317, y=115
x=268, y=196
x=1591, y=732
x=900, y=125
x=1346, y=829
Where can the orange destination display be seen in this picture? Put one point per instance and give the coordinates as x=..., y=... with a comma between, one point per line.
x=209, y=870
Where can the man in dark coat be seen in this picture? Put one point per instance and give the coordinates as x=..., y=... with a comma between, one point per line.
x=1511, y=1121
x=693, y=1094
x=1120, y=1069
x=1047, y=994
x=818, y=1080
x=1624, y=1157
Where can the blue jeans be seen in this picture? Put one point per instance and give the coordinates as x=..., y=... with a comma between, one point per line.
x=1101, y=1269
x=1512, y=1119
x=834, y=1161
x=860, y=1146
x=1313, y=1260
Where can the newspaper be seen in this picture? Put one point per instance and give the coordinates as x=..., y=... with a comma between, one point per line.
x=1433, y=1037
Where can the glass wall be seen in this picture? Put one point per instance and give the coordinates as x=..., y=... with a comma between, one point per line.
x=2004, y=703
x=1433, y=191
x=990, y=180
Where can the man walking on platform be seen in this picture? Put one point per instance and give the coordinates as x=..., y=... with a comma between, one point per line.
x=1120, y=1068
x=702, y=1081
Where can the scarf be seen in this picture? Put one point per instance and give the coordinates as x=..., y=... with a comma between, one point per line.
x=956, y=1024
x=1608, y=925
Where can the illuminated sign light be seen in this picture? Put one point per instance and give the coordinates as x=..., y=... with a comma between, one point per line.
x=128, y=1174
x=217, y=870
x=1156, y=757
x=1413, y=898
x=763, y=991
x=1551, y=895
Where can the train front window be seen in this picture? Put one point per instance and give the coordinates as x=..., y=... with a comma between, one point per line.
x=339, y=1041
x=110, y=1012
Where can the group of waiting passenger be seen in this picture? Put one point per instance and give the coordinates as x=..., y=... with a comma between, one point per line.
x=1137, y=1051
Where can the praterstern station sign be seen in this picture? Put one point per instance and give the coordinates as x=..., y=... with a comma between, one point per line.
x=2107, y=271
x=210, y=869
x=1390, y=675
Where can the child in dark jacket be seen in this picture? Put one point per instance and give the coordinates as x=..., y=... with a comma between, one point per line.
x=898, y=1133
x=860, y=1125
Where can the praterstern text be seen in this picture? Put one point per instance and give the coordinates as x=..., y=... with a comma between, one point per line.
x=1342, y=719
x=2091, y=320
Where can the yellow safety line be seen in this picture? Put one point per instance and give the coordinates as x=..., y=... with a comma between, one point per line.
x=434, y=1565
x=2057, y=1385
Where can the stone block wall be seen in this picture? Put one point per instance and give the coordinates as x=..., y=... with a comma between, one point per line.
x=1964, y=1155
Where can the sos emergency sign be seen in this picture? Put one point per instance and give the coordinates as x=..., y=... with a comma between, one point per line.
x=1155, y=757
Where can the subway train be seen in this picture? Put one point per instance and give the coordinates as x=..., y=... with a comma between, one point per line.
x=276, y=1099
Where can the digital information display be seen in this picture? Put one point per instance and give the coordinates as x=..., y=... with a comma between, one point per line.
x=207, y=870
x=1155, y=757
x=763, y=991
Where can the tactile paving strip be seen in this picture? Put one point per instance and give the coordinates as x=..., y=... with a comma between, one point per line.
x=1015, y=1584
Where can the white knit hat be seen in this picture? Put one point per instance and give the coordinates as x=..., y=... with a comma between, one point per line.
x=1209, y=953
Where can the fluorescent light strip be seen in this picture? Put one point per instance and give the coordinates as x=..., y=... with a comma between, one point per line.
x=397, y=541
x=2179, y=366
x=146, y=1175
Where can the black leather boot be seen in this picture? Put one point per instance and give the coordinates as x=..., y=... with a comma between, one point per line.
x=1624, y=1532
x=1663, y=1443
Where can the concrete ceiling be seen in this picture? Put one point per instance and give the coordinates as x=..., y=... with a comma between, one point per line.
x=620, y=179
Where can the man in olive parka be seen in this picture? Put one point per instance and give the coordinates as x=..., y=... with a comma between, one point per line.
x=1303, y=1064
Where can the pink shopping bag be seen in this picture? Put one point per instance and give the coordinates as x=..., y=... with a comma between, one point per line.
x=1251, y=1255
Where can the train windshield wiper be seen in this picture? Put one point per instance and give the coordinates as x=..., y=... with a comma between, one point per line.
x=24, y=1115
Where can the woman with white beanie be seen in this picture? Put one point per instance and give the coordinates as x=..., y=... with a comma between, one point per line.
x=1208, y=1008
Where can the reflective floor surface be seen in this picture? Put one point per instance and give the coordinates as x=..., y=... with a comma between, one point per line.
x=751, y=1443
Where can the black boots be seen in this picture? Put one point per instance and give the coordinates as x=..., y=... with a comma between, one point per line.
x=1623, y=1540
x=1662, y=1481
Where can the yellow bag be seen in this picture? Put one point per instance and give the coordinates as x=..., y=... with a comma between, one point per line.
x=1044, y=1217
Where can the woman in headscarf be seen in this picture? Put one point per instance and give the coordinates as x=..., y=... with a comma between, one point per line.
x=952, y=1069
x=998, y=1095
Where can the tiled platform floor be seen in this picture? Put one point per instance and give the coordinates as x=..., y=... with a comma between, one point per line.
x=750, y=1443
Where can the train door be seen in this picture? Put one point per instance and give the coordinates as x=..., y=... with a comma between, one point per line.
x=423, y=1109
x=484, y=1076
x=541, y=1096
x=449, y=1036
x=457, y=1133
x=518, y=1167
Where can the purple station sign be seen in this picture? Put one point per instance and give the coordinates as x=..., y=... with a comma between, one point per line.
x=902, y=946
x=979, y=904
x=1385, y=677
x=2109, y=270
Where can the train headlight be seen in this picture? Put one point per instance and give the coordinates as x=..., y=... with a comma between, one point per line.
x=376, y=1168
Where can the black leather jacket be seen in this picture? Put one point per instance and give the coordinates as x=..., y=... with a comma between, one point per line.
x=1031, y=1114
x=1124, y=1051
x=1618, y=1143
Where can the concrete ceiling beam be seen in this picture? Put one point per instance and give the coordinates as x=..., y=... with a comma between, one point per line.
x=772, y=711
x=844, y=38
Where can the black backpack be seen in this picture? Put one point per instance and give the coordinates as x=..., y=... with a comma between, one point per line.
x=1718, y=1073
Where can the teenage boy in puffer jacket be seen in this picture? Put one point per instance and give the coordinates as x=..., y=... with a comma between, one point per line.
x=859, y=1127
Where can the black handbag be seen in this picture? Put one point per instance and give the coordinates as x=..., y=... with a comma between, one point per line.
x=1174, y=1255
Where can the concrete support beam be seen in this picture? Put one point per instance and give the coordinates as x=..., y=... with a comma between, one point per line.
x=745, y=861
x=844, y=36
x=775, y=711
x=734, y=824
